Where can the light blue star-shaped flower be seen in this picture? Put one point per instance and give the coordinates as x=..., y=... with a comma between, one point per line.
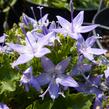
x=54, y=76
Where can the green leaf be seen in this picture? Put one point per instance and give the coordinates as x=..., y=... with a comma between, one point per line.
x=74, y=101
x=41, y=104
x=7, y=86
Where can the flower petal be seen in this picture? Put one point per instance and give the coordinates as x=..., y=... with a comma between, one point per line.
x=106, y=73
x=28, y=20
x=88, y=56
x=47, y=65
x=43, y=79
x=16, y=47
x=96, y=51
x=96, y=80
x=78, y=20
x=43, y=20
x=34, y=83
x=41, y=52
x=2, y=38
x=84, y=29
x=30, y=39
x=28, y=70
x=97, y=104
x=24, y=58
x=63, y=22
x=90, y=41
x=80, y=39
x=60, y=67
x=52, y=26
x=67, y=81
x=53, y=91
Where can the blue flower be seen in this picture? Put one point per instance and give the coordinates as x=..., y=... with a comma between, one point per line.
x=28, y=80
x=36, y=24
x=33, y=48
x=85, y=48
x=54, y=76
x=76, y=29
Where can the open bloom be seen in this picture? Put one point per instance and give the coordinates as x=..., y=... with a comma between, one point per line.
x=28, y=80
x=31, y=49
x=36, y=24
x=74, y=28
x=85, y=48
x=54, y=76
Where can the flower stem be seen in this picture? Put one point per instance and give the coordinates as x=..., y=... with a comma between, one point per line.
x=72, y=10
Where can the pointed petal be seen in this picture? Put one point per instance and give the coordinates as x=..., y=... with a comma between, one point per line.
x=47, y=65
x=80, y=39
x=28, y=20
x=86, y=67
x=106, y=73
x=60, y=67
x=84, y=29
x=97, y=51
x=43, y=20
x=45, y=30
x=34, y=83
x=88, y=56
x=80, y=59
x=53, y=91
x=75, y=71
x=41, y=52
x=28, y=70
x=90, y=41
x=43, y=79
x=45, y=39
x=26, y=77
x=2, y=38
x=78, y=20
x=52, y=25
x=97, y=79
x=63, y=22
x=31, y=39
x=67, y=81
x=16, y=47
x=24, y=58
x=97, y=104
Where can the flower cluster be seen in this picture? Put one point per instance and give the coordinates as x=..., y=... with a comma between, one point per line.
x=40, y=39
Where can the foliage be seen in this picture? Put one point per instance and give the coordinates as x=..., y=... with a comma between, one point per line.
x=78, y=4
x=5, y=5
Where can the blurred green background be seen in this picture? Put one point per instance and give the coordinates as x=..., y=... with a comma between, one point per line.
x=93, y=4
